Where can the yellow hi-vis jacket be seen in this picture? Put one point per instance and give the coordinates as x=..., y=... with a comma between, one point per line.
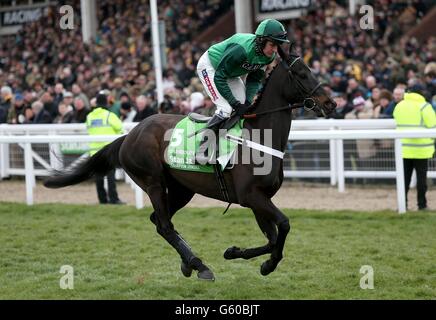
x=102, y=122
x=415, y=113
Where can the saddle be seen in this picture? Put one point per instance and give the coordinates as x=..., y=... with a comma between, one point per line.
x=198, y=118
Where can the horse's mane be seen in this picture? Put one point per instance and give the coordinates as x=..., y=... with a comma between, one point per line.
x=264, y=84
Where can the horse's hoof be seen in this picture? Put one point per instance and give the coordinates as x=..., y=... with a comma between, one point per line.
x=186, y=270
x=266, y=268
x=206, y=275
x=230, y=253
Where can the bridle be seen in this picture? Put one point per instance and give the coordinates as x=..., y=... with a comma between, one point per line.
x=308, y=103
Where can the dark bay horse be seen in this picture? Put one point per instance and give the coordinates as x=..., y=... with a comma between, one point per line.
x=141, y=153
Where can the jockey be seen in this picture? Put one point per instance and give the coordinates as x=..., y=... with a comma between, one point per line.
x=232, y=71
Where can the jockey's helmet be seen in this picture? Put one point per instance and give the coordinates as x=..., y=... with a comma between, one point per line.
x=273, y=30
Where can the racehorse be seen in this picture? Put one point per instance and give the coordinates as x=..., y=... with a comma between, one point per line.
x=141, y=154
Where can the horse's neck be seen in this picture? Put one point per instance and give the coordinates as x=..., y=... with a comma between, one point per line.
x=279, y=122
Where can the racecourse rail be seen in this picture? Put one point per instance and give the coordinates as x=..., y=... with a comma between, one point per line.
x=335, y=131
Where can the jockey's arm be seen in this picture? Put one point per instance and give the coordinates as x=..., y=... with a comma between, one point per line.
x=253, y=84
x=233, y=58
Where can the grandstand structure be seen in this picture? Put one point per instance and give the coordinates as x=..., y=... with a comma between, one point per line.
x=15, y=13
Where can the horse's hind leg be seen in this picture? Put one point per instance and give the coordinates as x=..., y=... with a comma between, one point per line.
x=178, y=197
x=268, y=228
x=165, y=228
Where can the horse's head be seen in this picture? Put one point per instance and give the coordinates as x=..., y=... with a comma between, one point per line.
x=305, y=88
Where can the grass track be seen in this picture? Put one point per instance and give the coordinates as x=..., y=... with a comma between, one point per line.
x=117, y=254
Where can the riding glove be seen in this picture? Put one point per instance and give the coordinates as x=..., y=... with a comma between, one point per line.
x=241, y=108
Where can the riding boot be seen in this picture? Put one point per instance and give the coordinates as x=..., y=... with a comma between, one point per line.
x=215, y=121
x=213, y=124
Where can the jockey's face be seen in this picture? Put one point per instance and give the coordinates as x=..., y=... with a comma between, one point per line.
x=270, y=48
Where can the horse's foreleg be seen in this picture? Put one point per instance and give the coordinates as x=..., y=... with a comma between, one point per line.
x=268, y=228
x=264, y=207
x=283, y=227
x=270, y=265
x=247, y=253
x=162, y=219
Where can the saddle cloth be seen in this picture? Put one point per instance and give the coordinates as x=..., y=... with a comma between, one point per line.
x=184, y=144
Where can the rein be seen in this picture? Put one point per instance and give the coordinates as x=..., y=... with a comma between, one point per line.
x=288, y=107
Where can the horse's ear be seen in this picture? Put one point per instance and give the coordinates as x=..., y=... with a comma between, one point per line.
x=292, y=48
x=282, y=54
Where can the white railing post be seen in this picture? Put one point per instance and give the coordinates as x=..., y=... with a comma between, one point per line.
x=340, y=164
x=55, y=154
x=30, y=177
x=139, y=197
x=4, y=159
x=129, y=181
x=401, y=191
x=139, y=193
x=333, y=164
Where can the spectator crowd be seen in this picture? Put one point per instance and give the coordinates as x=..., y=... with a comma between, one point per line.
x=367, y=71
x=48, y=75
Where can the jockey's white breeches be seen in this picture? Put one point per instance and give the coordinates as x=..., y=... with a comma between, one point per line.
x=206, y=73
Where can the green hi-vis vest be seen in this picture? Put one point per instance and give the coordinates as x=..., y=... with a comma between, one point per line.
x=102, y=122
x=235, y=57
x=415, y=113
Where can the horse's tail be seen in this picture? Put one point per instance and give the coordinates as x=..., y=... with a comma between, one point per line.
x=100, y=163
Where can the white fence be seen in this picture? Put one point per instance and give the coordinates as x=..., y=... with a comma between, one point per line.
x=334, y=131
x=51, y=157
x=11, y=157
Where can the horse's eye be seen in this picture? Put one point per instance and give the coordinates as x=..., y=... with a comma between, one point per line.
x=302, y=75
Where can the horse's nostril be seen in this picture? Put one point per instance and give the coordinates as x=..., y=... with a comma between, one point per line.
x=331, y=105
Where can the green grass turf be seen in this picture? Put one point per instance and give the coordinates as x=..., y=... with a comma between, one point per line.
x=117, y=254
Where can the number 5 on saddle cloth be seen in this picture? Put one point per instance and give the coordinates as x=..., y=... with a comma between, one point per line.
x=184, y=151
